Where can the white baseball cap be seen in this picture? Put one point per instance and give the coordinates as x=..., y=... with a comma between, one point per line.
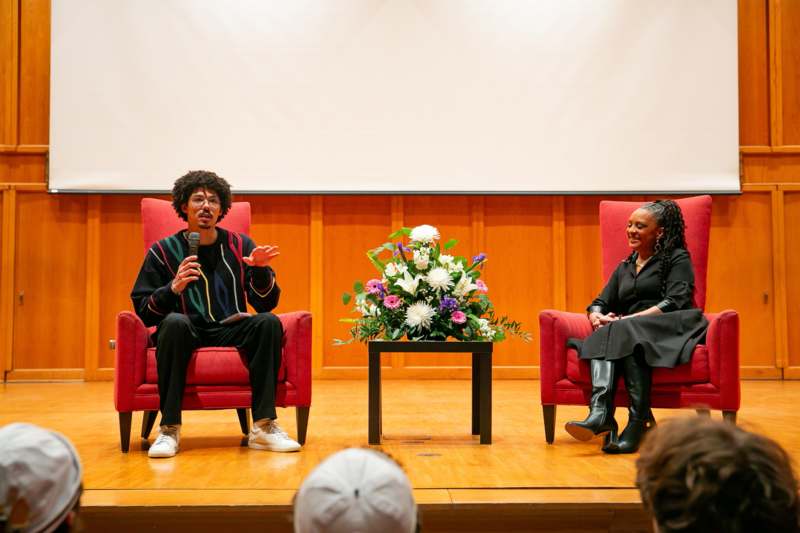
x=355, y=491
x=40, y=477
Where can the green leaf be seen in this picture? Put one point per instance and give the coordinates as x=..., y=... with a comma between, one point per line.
x=358, y=286
x=449, y=244
x=401, y=232
x=346, y=298
x=375, y=261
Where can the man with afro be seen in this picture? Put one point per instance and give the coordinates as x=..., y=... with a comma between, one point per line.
x=200, y=300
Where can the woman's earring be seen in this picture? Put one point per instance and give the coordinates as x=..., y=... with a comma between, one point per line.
x=657, y=247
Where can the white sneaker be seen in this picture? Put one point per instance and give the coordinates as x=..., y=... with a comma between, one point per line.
x=271, y=438
x=166, y=445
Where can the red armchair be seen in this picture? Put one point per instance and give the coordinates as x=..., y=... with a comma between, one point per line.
x=217, y=377
x=709, y=381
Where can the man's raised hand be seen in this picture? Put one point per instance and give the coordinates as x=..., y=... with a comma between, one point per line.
x=261, y=256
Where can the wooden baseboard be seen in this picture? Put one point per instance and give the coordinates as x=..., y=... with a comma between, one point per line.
x=334, y=373
x=60, y=374
x=760, y=372
x=791, y=372
x=46, y=374
x=424, y=372
x=100, y=374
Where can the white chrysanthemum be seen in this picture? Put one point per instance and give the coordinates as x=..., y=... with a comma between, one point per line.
x=391, y=270
x=464, y=286
x=445, y=259
x=408, y=283
x=402, y=268
x=424, y=233
x=439, y=278
x=419, y=314
x=421, y=259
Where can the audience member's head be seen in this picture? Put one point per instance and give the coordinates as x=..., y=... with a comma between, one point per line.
x=40, y=480
x=355, y=491
x=699, y=475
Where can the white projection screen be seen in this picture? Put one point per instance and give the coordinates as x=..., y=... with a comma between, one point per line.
x=412, y=96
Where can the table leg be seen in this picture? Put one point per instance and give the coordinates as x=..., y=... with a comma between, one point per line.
x=476, y=413
x=375, y=398
x=485, y=379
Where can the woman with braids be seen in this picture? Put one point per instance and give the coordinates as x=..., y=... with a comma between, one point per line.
x=644, y=317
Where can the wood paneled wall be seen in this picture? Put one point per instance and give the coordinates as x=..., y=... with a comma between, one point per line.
x=68, y=262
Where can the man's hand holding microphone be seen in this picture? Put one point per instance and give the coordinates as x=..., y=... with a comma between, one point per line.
x=189, y=269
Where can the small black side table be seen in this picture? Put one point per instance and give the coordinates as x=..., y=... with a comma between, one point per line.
x=481, y=380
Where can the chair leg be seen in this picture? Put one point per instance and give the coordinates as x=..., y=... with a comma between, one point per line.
x=706, y=413
x=244, y=420
x=148, y=419
x=549, y=412
x=729, y=416
x=125, y=431
x=301, y=414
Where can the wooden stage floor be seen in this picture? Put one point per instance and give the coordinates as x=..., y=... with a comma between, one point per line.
x=460, y=484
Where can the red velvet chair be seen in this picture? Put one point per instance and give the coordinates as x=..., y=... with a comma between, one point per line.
x=709, y=381
x=217, y=377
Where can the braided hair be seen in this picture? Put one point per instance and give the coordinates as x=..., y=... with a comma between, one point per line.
x=669, y=217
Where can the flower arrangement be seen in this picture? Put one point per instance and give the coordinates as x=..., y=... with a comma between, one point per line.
x=425, y=294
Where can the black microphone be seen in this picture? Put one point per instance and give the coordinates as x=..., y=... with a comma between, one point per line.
x=194, y=242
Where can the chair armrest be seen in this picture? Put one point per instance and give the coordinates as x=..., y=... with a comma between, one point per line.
x=132, y=341
x=297, y=353
x=555, y=327
x=722, y=341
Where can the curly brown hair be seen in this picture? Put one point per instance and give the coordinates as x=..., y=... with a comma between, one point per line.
x=200, y=179
x=699, y=475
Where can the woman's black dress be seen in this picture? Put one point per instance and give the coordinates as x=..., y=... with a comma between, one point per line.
x=664, y=340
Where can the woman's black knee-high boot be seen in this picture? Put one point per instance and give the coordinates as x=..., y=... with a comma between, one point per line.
x=601, y=406
x=637, y=381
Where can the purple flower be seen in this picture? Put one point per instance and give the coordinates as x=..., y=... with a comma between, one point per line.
x=448, y=304
x=374, y=286
x=478, y=258
x=400, y=248
x=459, y=317
x=392, y=301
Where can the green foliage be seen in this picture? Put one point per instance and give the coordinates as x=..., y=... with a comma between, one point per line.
x=402, y=232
